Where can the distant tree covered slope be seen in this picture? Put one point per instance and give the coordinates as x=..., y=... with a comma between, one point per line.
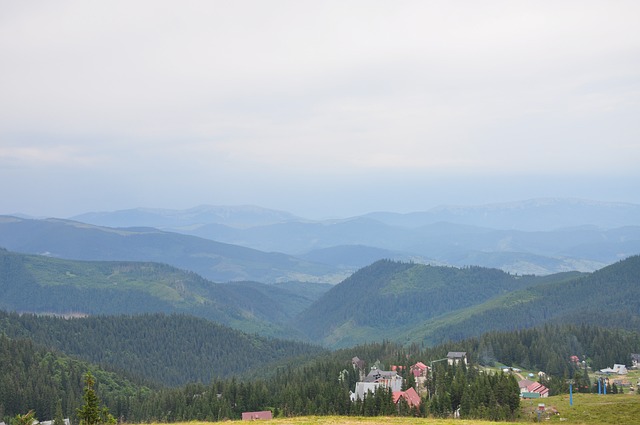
x=387, y=296
x=608, y=297
x=414, y=303
x=40, y=284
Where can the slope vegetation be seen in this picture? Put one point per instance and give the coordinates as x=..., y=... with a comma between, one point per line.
x=167, y=349
x=386, y=297
x=608, y=297
x=33, y=283
x=412, y=303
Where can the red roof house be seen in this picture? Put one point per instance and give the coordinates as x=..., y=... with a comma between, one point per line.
x=411, y=396
x=527, y=386
x=252, y=416
x=419, y=369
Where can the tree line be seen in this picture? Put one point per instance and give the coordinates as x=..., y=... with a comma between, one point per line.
x=314, y=383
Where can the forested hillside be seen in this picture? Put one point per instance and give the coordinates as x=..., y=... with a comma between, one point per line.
x=608, y=297
x=548, y=348
x=167, y=349
x=409, y=303
x=387, y=297
x=66, y=286
x=32, y=377
x=403, y=302
x=312, y=384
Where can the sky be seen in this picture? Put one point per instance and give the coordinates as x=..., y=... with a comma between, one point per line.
x=320, y=108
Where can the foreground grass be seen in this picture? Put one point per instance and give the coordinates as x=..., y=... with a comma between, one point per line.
x=349, y=420
x=587, y=409
x=620, y=409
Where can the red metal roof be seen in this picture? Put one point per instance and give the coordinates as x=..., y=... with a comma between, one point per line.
x=251, y=416
x=411, y=396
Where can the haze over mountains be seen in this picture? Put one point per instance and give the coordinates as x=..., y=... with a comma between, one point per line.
x=443, y=278
x=251, y=243
x=539, y=236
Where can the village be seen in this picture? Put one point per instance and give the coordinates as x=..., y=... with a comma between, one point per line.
x=530, y=387
x=618, y=376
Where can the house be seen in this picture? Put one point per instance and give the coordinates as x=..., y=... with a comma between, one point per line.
x=66, y=422
x=635, y=361
x=375, y=379
x=532, y=389
x=410, y=396
x=619, y=369
x=252, y=416
x=387, y=379
x=420, y=370
x=362, y=388
x=574, y=359
x=455, y=357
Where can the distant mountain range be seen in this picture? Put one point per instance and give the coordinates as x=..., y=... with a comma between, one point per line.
x=233, y=216
x=539, y=237
x=211, y=259
x=530, y=215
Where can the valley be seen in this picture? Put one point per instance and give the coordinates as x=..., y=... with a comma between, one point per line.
x=158, y=314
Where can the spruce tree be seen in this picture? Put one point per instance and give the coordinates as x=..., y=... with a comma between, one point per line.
x=91, y=413
x=59, y=416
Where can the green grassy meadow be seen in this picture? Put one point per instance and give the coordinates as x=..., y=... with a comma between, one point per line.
x=587, y=409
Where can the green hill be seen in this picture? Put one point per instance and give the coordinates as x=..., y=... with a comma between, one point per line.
x=414, y=303
x=608, y=297
x=387, y=297
x=39, y=284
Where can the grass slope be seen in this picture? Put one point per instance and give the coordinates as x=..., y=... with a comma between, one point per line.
x=587, y=409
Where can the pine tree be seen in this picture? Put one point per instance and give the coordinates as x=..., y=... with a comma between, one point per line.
x=91, y=413
x=59, y=416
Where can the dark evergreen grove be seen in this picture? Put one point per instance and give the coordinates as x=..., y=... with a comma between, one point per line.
x=156, y=348
x=318, y=383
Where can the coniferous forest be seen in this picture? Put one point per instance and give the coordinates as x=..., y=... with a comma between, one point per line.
x=174, y=366
x=33, y=375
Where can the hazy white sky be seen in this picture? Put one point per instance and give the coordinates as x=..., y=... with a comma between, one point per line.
x=322, y=108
